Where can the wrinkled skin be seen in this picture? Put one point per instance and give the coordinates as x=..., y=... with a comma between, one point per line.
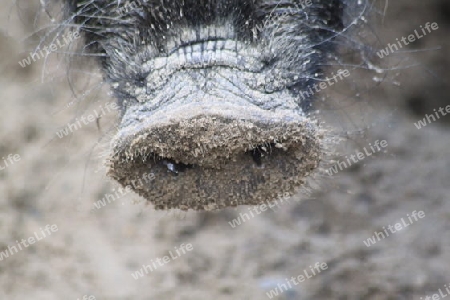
x=209, y=92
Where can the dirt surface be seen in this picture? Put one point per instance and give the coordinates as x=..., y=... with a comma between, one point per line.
x=93, y=251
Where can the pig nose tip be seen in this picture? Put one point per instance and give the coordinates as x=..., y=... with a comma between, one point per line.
x=214, y=161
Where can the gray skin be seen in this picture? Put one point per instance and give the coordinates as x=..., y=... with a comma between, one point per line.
x=210, y=94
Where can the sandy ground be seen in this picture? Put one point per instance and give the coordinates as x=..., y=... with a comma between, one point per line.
x=93, y=252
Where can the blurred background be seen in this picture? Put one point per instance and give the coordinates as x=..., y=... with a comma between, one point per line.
x=46, y=179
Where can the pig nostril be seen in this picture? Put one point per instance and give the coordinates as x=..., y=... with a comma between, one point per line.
x=261, y=151
x=256, y=154
x=175, y=167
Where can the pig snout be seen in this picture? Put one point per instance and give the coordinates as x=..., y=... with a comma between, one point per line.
x=211, y=153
